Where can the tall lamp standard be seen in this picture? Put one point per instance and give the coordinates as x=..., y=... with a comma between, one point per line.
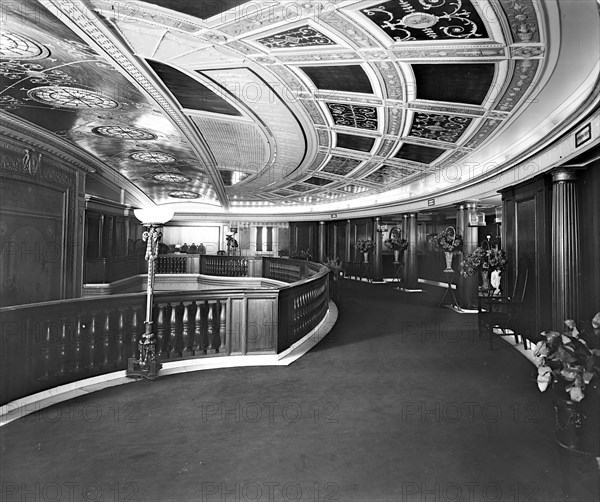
x=146, y=365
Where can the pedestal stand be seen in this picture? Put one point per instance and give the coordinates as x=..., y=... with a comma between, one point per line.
x=450, y=290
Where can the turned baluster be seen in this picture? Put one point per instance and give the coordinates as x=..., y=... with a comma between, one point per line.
x=63, y=346
x=161, y=330
x=173, y=325
x=198, y=347
x=121, y=336
x=106, y=352
x=47, y=352
x=186, y=332
x=134, y=328
x=210, y=329
x=92, y=343
x=222, y=325
x=77, y=345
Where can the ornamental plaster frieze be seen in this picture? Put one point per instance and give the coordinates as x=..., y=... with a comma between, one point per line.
x=429, y=106
x=326, y=57
x=18, y=134
x=130, y=12
x=470, y=53
x=517, y=87
x=522, y=20
x=391, y=79
x=343, y=97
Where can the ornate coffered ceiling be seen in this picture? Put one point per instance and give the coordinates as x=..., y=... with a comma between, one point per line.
x=276, y=105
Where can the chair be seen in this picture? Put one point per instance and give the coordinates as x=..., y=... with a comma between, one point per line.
x=503, y=314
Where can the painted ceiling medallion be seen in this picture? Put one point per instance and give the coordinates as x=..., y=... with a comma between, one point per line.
x=304, y=36
x=363, y=117
x=124, y=132
x=14, y=46
x=153, y=157
x=419, y=20
x=405, y=20
x=71, y=97
x=171, y=178
x=183, y=194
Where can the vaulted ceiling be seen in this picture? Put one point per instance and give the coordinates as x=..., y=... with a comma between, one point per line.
x=274, y=105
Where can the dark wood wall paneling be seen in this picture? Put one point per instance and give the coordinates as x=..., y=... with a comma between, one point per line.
x=113, y=246
x=303, y=237
x=42, y=203
x=526, y=231
x=589, y=210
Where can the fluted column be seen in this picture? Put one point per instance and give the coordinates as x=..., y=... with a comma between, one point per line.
x=565, y=248
x=322, y=238
x=411, y=272
x=466, y=286
x=378, y=254
x=348, y=241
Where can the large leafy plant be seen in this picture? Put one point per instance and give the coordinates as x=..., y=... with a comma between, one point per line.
x=570, y=360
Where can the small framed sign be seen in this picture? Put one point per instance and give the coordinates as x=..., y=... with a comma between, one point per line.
x=583, y=135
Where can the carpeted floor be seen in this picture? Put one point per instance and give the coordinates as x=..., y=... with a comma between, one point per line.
x=401, y=402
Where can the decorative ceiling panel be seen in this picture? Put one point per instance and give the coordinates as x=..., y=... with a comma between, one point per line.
x=340, y=166
x=390, y=174
x=235, y=145
x=467, y=83
x=447, y=128
x=409, y=20
x=350, y=78
x=361, y=117
x=204, y=9
x=315, y=180
x=304, y=36
x=354, y=142
x=191, y=93
x=418, y=153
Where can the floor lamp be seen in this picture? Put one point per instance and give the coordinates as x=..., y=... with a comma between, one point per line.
x=146, y=365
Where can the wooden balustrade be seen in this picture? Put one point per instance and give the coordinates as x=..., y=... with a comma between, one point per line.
x=53, y=343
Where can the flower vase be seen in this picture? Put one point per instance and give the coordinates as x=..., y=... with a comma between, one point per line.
x=448, y=261
x=485, y=280
x=495, y=280
x=366, y=257
x=396, y=256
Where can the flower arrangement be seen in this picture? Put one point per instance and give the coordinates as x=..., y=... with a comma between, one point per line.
x=396, y=243
x=365, y=245
x=334, y=264
x=283, y=252
x=448, y=240
x=303, y=254
x=571, y=359
x=483, y=259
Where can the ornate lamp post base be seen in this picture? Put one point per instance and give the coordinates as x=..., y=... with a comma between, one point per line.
x=146, y=366
x=135, y=369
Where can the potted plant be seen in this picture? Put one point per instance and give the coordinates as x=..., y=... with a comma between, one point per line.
x=396, y=244
x=365, y=246
x=570, y=363
x=283, y=252
x=449, y=242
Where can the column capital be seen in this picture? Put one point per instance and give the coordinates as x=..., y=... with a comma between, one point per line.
x=563, y=174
